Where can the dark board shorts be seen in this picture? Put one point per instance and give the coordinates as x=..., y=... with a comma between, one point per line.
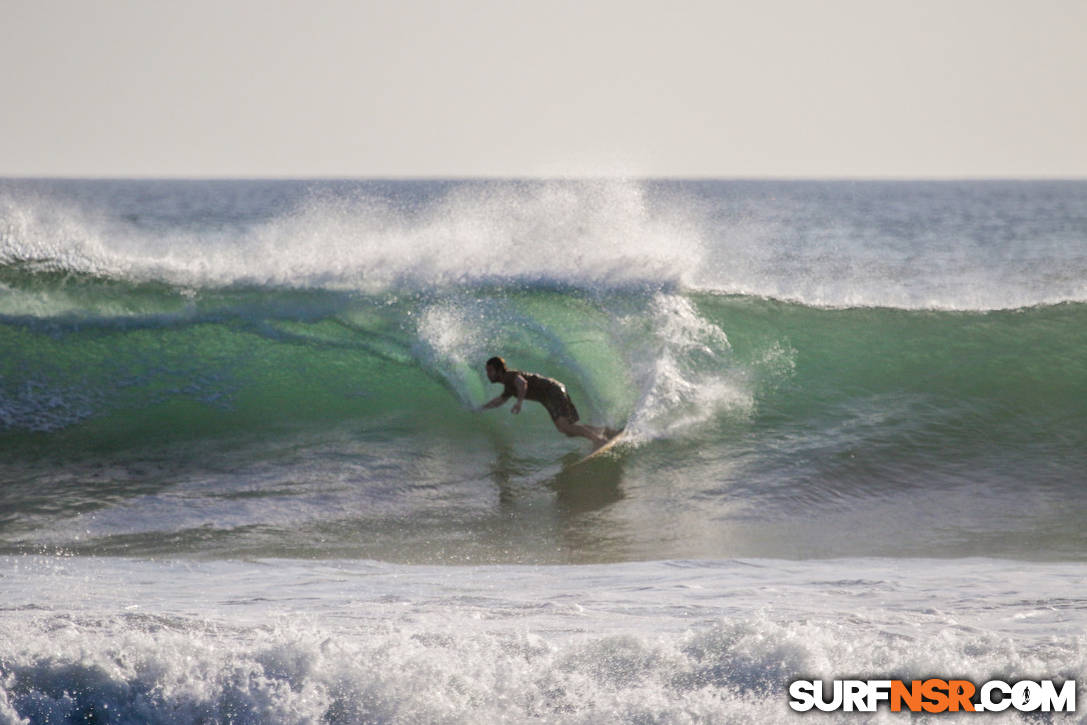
x=559, y=405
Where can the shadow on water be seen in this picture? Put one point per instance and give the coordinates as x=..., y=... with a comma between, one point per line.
x=579, y=487
x=505, y=471
x=585, y=487
x=555, y=512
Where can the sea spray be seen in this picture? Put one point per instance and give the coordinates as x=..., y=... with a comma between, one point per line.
x=568, y=233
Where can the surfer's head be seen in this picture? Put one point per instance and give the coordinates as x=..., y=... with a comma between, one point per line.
x=496, y=366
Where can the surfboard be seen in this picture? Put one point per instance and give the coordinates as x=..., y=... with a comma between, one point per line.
x=604, y=448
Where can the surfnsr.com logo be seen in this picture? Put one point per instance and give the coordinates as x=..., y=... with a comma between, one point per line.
x=933, y=695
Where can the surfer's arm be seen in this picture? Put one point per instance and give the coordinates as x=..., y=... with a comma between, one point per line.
x=496, y=402
x=522, y=389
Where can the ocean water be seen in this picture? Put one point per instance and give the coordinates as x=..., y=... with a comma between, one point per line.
x=243, y=478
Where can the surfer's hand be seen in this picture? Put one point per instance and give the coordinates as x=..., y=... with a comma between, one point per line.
x=516, y=408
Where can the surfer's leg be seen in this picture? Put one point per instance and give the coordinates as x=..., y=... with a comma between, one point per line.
x=565, y=416
x=596, y=435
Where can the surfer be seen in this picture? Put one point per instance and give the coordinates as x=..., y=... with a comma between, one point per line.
x=547, y=391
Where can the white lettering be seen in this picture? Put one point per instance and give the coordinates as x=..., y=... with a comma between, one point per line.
x=1026, y=696
x=835, y=701
x=803, y=695
x=854, y=696
x=878, y=690
x=1063, y=701
x=987, y=702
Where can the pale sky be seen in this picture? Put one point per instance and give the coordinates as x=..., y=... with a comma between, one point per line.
x=779, y=88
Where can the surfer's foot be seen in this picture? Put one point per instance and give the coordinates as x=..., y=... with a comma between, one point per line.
x=605, y=435
x=610, y=433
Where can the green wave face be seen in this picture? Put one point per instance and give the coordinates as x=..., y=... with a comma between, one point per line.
x=93, y=360
x=99, y=362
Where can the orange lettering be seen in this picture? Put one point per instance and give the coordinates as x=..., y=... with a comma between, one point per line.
x=935, y=692
x=911, y=695
x=959, y=694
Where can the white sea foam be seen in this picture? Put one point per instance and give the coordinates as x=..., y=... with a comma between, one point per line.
x=683, y=642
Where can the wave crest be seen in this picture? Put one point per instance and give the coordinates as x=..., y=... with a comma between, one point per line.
x=579, y=234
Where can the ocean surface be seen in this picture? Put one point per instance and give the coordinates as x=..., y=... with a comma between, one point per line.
x=243, y=478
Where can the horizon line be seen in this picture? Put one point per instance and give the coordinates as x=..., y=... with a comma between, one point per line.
x=543, y=177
